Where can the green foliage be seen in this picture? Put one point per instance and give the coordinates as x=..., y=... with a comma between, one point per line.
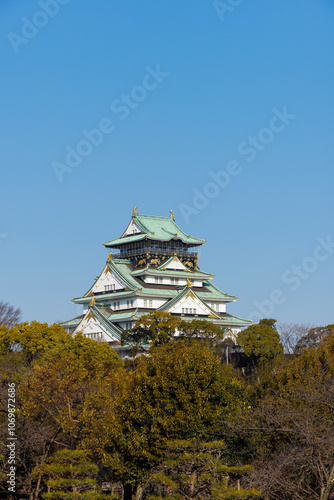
x=159, y=328
x=178, y=392
x=291, y=427
x=70, y=474
x=193, y=469
x=61, y=381
x=313, y=338
x=155, y=329
x=261, y=343
x=175, y=423
x=55, y=375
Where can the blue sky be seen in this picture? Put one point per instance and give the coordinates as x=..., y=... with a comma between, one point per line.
x=227, y=118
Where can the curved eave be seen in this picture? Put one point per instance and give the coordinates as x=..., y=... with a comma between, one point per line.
x=112, y=295
x=119, y=242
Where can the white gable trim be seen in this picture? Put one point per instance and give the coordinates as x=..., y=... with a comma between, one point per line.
x=190, y=303
x=93, y=328
x=175, y=264
x=107, y=282
x=131, y=229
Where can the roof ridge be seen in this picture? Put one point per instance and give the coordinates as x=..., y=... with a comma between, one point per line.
x=152, y=216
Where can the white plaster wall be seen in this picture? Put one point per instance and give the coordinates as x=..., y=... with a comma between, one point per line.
x=156, y=303
x=131, y=229
x=192, y=303
x=217, y=306
x=107, y=279
x=94, y=329
x=175, y=264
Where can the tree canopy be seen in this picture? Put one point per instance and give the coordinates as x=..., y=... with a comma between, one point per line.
x=175, y=422
x=261, y=343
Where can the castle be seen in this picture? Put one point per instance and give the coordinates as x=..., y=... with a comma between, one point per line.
x=152, y=266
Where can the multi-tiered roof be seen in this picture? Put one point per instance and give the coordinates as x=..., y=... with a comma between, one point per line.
x=153, y=266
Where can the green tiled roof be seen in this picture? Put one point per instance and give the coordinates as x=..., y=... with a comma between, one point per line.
x=72, y=322
x=110, y=296
x=219, y=294
x=182, y=293
x=154, y=227
x=225, y=320
x=114, y=329
x=168, y=272
x=122, y=316
x=123, y=269
x=234, y=320
x=170, y=303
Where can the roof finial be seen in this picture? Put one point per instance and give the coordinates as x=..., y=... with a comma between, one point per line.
x=171, y=214
x=109, y=257
x=92, y=301
x=188, y=283
x=134, y=211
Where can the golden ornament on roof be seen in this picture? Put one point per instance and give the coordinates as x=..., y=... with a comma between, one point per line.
x=109, y=257
x=92, y=301
x=171, y=214
x=188, y=283
x=134, y=211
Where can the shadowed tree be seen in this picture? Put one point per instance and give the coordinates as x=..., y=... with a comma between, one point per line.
x=179, y=392
x=194, y=470
x=159, y=328
x=291, y=427
x=261, y=343
x=69, y=474
x=291, y=333
x=9, y=316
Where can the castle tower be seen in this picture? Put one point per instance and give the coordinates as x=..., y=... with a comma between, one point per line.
x=153, y=265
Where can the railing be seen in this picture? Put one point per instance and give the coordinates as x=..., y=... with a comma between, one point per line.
x=150, y=250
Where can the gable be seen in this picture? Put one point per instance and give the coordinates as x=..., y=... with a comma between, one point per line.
x=191, y=304
x=107, y=282
x=173, y=264
x=131, y=229
x=93, y=329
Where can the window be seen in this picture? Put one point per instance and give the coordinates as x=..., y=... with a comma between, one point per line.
x=94, y=336
x=145, y=302
x=174, y=281
x=150, y=303
x=127, y=326
x=158, y=279
x=116, y=305
x=108, y=288
x=188, y=310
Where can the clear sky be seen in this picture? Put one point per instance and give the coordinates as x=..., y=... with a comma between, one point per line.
x=221, y=111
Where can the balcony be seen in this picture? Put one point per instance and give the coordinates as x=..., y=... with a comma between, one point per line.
x=151, y=250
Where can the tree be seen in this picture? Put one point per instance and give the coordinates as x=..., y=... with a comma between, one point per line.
x=156, y=328
x=20, y=347
x=261, y=343
x=70, y=474
x=55, y=374
x=159, y=328
x=313, y=338
x=9, y=316
x=179, y=392
x=291, y=333
x=291, y=427
x=194, y=469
